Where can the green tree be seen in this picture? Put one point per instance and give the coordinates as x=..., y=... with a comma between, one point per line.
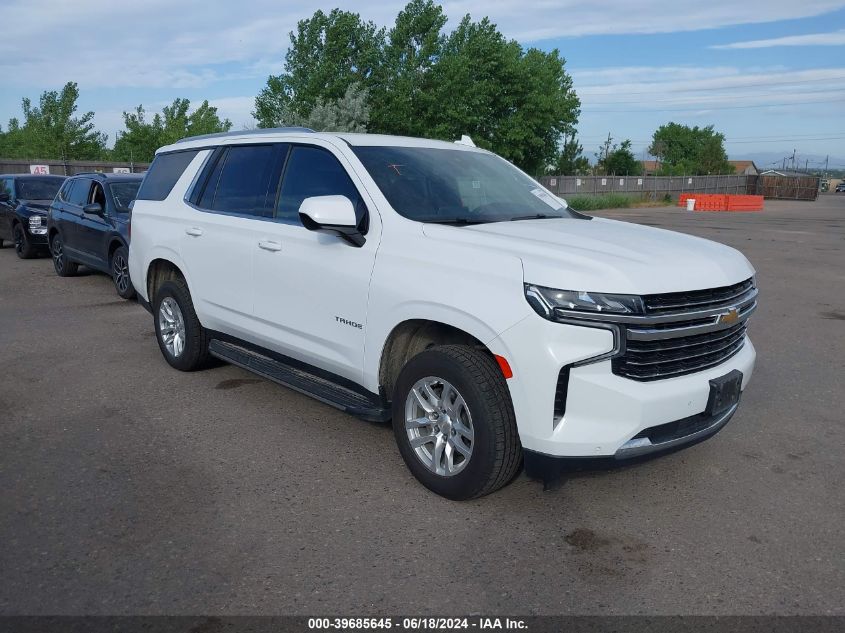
x=516, y=103
x=350, y=113
x=690, y=150
x=421, y=82
x=618, y=160
x=569, y=160
x=402, y=85
x=50, y=130
x=142, y=138
x=327, y=54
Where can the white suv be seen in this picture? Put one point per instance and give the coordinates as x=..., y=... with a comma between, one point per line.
x=436, y=285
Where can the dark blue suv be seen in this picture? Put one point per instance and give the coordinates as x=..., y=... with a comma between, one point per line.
x=88, y=224
x=24, y=200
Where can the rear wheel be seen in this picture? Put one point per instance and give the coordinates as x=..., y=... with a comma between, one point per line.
x=120, y=273
x=23, y=248
x=61, y=264
x=181, y=337
x=454, y=422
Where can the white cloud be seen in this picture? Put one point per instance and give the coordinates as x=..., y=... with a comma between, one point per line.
x=676, y=89
x=194, y=43
x=834, y=38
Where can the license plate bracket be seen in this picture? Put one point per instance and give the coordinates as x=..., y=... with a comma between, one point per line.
x=724, y=392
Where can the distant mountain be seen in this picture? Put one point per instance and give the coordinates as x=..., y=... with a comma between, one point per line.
x=772, y=160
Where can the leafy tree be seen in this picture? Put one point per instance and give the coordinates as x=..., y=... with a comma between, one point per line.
x=350, y=113
x=327, y=54
x=50, y=130
x=516, y=103
x=690, y=150
x=421, y=82
x=569, y=161
x=142, y=138
x=618, y=160
x=403, y=83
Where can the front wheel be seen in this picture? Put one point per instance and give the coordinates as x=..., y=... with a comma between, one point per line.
x=23, y=248
x=181, y=337
x=454, y=422
x=61, y=264
x=120, y=273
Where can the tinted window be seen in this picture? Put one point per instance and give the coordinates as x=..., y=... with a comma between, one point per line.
x=312, y=171
x=247, y=182
x=38, y=188
x=79, y=191
x=163, y=174
x=6, y=186
x=124, y=193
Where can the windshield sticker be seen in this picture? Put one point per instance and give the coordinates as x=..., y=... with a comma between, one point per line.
x=549, y=199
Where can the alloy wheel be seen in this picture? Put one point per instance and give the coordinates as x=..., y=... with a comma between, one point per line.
x=120, y=272
x=58, y=254
x=439, y=426
x=171, y=325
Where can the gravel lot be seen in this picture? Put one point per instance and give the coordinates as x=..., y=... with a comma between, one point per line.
x=128, y=487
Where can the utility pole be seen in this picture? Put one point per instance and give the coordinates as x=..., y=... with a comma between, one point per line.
x=793, y=160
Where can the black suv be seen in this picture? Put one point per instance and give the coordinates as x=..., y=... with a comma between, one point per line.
x=88, y=224
x=24, y=200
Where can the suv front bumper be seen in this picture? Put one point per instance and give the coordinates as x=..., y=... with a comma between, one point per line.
x=603, y=412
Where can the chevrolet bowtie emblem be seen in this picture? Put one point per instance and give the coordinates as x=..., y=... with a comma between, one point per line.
x=731, y=316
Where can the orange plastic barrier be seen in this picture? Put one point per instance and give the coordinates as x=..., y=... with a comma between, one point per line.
x=722, y=202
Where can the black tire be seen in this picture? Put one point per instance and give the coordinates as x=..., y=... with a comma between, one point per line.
x=195, y=354
x=496, y=451
x=61, y=264
x=23, y=248
x=119, y=266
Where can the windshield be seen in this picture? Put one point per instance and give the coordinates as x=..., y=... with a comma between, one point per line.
x=456, y=186
x=124, y=193
x=38, y=188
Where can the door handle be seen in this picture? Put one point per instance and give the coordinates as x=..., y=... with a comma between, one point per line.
x=269, y=245
x=194, y=231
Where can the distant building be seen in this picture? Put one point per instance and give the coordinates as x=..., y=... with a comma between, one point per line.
x=744, y=167
x=650, y=167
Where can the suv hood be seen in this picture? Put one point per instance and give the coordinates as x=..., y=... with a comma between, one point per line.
x=605, y=255
x=35, y=205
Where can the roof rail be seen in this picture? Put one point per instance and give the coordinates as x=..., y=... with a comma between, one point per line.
x=259, y=131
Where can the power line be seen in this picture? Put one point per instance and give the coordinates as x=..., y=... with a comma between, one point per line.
x=720, y=96
x=705, y=88
x=706, y=107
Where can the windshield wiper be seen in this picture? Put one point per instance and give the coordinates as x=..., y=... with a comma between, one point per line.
x=536, y=216
x=455, y=221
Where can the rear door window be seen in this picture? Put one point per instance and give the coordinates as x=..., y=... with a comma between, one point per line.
x=313, y=171
x=244, y=180
x=164, y=173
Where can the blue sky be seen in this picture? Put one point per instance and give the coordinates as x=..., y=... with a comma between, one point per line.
x=770, y=75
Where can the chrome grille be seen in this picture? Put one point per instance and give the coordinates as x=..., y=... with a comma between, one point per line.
x=666, y=358
x=696, y=299
x=685, y=332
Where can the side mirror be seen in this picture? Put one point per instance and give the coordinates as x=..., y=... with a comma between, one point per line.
x=334, y=214
x=93, y=209
x=4, y=197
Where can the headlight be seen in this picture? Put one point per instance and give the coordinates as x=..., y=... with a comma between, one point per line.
x=35, y=221
x=546, y=300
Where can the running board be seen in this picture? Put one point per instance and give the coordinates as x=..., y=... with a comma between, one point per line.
x=326, y=391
